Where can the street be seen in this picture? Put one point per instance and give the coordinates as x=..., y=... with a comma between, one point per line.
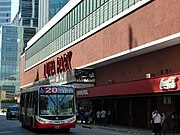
x=13, y=127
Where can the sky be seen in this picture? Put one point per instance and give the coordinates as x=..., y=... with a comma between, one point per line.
x=14, y=8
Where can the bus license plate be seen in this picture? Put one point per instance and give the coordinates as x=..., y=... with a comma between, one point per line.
x=57, y=127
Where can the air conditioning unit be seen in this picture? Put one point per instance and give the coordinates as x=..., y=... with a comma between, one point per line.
x=148, y=75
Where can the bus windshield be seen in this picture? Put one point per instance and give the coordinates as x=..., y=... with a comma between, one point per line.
x=56, y=104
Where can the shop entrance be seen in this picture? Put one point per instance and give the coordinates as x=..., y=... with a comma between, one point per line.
x=177, y=108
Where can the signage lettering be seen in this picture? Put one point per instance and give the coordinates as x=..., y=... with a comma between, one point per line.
x=82, y=93
x=170, y=83
x=49, y=68
x=63, y=64
x=52, y=90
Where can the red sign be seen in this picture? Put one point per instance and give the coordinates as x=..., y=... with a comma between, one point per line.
x=63, y=64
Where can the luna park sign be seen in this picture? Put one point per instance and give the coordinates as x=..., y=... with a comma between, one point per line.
x=62, y=64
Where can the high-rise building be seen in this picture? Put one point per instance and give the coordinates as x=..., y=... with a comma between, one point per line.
x=27, y=17
x=14, y=38
x=55, y=6
x=8, y=57
x=5, y=11
x=48, y=9
x=28, y=13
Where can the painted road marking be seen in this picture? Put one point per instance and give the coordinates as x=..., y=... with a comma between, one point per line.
x=6, y=132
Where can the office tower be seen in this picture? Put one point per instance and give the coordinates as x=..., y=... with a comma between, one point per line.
x=14, y=38
x=5, y=11
x=48, y=9
x=8, y=57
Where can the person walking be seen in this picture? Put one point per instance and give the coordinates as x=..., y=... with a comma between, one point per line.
x=152, y=122
x=157, y=123
x=103, y=117
x=163, y=124
x=86, y=116
x=98, y=117
x=175, y=118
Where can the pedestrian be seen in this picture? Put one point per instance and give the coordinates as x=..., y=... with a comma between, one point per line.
x=86, y=116
x=91, y=116
x=175, y=118
x=81, y=115
x=98, y=117
x=103, y=117
x=152, y=122
x=157, y=122
x=163, y=123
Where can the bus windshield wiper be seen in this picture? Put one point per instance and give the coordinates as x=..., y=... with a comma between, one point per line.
x=60, y=102
x=52, y=100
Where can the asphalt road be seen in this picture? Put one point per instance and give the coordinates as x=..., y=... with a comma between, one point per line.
x=13, y=127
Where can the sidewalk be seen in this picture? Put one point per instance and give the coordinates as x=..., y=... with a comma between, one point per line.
x=126, y=130
x=129, y=130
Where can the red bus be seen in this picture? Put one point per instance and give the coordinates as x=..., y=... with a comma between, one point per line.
x=48, y=106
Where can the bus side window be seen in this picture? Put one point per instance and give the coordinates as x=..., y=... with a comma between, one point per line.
x=35, y=98
x=31, y=100
x=24, y=100
x=27, y=99
x=35, y=101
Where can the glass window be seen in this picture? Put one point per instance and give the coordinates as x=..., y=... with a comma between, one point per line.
x=53, y=104
x=5, y=9
x=5, y=3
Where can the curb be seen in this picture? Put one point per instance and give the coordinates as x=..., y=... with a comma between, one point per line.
x=118, y=130
x=109, y=128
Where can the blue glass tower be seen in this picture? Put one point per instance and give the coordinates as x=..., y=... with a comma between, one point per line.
x=55, y=6
x=5, y=11
x=8, y=58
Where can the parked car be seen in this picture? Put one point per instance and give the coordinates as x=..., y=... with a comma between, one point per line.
x=12, y=112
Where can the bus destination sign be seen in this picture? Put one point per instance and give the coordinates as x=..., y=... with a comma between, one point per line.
x=53, y=90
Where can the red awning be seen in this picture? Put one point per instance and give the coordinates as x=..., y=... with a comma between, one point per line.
x=146, y=86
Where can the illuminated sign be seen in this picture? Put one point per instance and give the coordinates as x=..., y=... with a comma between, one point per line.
x=84, y=75
x=82, y=93
x=53, y=90
x=170, y=83
x=63, y=64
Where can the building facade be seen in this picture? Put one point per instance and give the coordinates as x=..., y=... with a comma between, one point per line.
x=55, y=6
x=28, y=13
x=8, y=58
x=5, y=11
x=14, y=38
x=119, y=55
x=48, y=9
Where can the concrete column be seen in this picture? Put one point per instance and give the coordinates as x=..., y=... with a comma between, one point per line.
x=130, y=113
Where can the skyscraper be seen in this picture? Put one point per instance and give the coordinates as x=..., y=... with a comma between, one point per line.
x=14, y=38
x=48, y=9
x=28, y=13
x=27, y=17
x=8, y=57
x=5, y=11
x=55, y=6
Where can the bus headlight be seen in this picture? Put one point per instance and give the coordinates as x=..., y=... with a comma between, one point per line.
x=42, y=120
